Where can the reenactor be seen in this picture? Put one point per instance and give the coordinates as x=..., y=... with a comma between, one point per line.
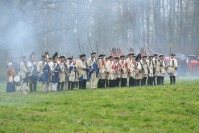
x=33, y=76
x=110, y=66
x=117, y=72
x=107, y=80
x=172, y=69
x=101, y=63
x=145, y=67
x=43, y=70
x=10, y=81
x=138, y=70
x=162, y=68
x=62, y=73
x=92, y=64
x=151, y=70
x=156, y=69
x=82, y=70
x=131, y=65
x=71, y=73
x=124, y=72
x=55, y=72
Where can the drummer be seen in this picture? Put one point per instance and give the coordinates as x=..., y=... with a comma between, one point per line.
x=10, y=75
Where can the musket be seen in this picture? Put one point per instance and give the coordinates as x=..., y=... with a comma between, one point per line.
x=69, y=52
x=102, y=49
x=132, y=48
x=160, y=48
x=151, y=52
x=79, y=46
x=42, y=49
x=90, y=44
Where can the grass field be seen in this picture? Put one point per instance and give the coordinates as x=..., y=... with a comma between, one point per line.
x=139, y=109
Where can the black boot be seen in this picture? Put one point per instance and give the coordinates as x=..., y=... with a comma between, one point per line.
x=171, y=80
x=174, y=80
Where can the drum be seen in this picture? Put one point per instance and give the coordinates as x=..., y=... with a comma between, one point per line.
x=17, y=81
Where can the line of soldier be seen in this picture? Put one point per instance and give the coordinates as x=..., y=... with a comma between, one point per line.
x=58, y=73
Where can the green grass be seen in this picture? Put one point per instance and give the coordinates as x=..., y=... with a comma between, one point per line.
x=140, y=109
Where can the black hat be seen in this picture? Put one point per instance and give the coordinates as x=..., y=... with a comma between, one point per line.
x=82, y=55
x=122, y=56
x=155, y=54
x=101, y=55
x=55, y=56
x=173, y=55
x=116, y=57
x=70, y=58
x=161, y=55
x=110, y=57
x=62, y=57
x=131, y=53
x=93, y=53
x=151, y=55
x=32, y=55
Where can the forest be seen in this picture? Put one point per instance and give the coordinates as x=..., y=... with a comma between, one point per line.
x=56, y=25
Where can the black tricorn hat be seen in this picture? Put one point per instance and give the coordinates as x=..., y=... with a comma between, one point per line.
x=82, y=55
x=161, y=55
x=93, y=53
x=122, y=56
x=173, y=55
x=131, y=53
x=55, y=56
x=110, y=57
x=101, y=55
x=62, y=57
x=116, y=57
x=155, y=54
x=151, y=55
x=70, y=58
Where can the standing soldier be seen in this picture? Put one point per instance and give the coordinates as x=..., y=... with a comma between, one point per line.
x=131, y=65
x=82, y=70
x=151, y=70
x=162, y=68
x=156, y=68
x=138, y=71
x=33, y=73
x=91, y=62
x=24, y=74
x=101, y=63
x=172, y=69
x=10, y=77
x=62, y=73
x=43, y=70
x=110, y=66
x=117, y=72
x=144, y=63
x=124, y=72
x=71, y=73
x=55, y=72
